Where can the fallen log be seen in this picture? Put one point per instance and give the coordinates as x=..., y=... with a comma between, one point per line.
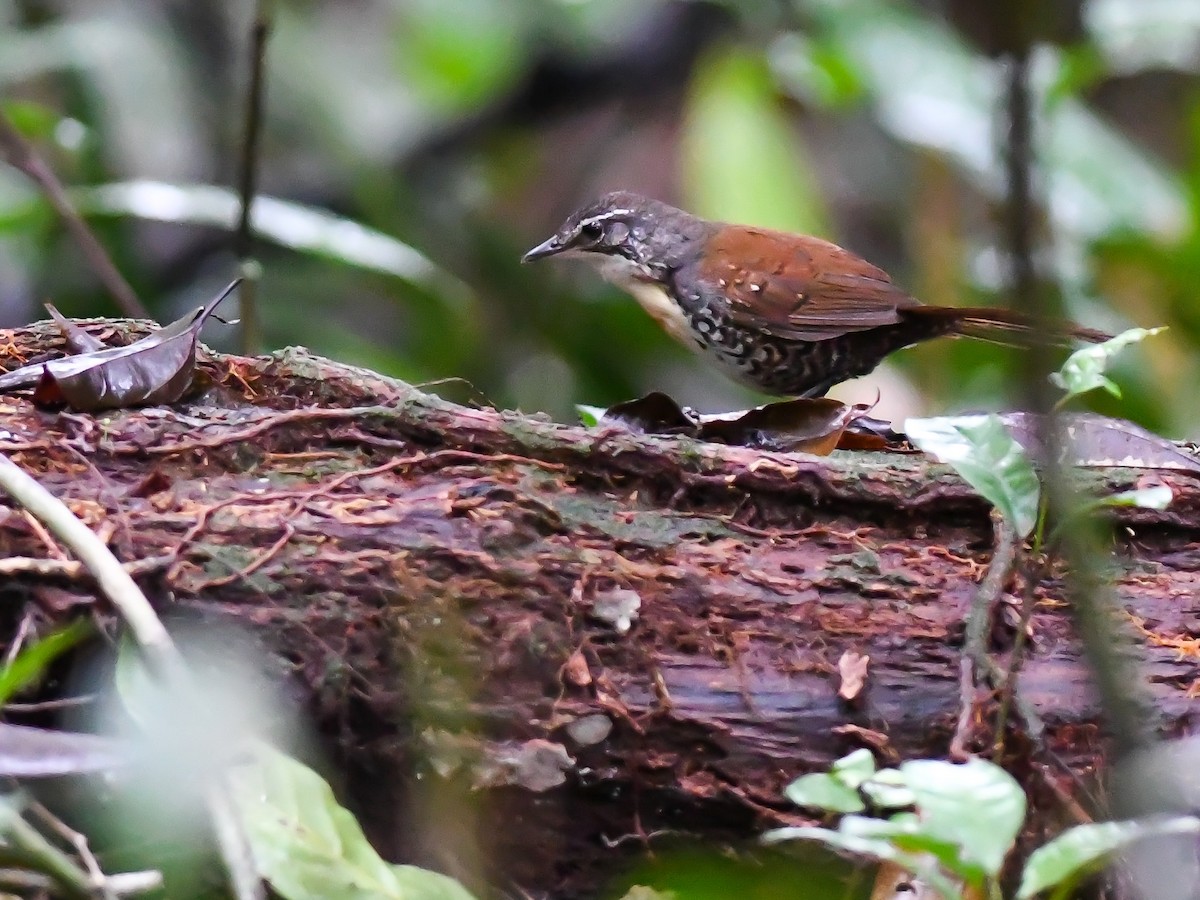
x=537, y=649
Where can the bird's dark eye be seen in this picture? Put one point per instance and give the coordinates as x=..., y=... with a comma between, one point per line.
x=591, y=232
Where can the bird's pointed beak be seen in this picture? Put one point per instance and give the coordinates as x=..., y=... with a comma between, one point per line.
x=546, y=248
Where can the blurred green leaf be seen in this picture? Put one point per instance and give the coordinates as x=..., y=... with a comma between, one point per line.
x=308, y=847
x=887, y=789
x=817, y=69
x=908, y=834
x=1084, y=848
x=741, y=160
x=931, y=90
x=590, y=416
x=1084, y=369
x=987, y=457
x=459, y=53
x=641, y=892
x=827, y=792
x=1135, y=36
x=288, y=224
x=33, y=120
x=872, y=848
x=141, y=694
x=33, y=660
x=949, y=797
x=854, y=768
x=1157, y=497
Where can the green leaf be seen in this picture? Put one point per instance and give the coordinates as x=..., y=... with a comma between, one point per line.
x=909, y=834
x=1081, y=849
x=871, y=848
x=33, y=660
x=824, y=792
x=138, y=690
x=308, y=846
x=910, y=63
x=294, y=225
x=590, y=416
x=33, y=120
x=887, y=789
x=949, y=800
x=455, y=68
x=988, y=458
x=854, y=768
x=1157, y=497
x=1084, y=369
x=741, y=159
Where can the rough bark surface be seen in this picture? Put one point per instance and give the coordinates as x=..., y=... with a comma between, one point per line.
x=539, y=648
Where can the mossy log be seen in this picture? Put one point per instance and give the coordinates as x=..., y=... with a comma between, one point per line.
x=527, y=642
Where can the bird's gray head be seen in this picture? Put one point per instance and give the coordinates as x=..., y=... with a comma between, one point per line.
x=644, y=237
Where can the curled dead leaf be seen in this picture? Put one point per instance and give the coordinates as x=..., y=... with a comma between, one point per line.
x=852, y=669
x=575, y=670
x=804, y=425
x=157, y=369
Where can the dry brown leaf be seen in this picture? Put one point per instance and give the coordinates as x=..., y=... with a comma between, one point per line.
x=852, y=668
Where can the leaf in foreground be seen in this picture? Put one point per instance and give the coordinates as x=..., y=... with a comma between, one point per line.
x=308, y=847
x=155, y=370
x=950, y=797
x=33, y=660
x=1081, y=849
x=988, y=458
x=878, y=849
x=1084, y=369
x=826, y=792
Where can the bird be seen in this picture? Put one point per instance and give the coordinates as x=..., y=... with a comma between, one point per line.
x=787, y=314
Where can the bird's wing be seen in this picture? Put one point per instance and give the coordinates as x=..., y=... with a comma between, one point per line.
x=799, y=288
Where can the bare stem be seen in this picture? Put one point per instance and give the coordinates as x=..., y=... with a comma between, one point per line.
x=1091, y=596
x=243, y=240
x=19, y=154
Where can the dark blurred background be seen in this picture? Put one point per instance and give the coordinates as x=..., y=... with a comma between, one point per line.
x=415, y=148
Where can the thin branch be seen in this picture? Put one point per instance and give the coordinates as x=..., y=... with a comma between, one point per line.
x=1091, y=595
x=26, y=845
x=82, y=848
x=243, y=241
x=19, y=154
x=979, y=620
x=1033, y=570
x=979, y=627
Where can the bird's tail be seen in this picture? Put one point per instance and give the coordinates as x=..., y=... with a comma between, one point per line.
x=1003, y=326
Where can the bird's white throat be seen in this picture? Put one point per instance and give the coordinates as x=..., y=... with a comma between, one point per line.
x=650, y=295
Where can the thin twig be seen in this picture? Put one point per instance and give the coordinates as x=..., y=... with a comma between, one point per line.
x=966, y=706
x=979, y=627
x=73, y=570
x=19, y=640
x=19, y=154
x=26, y=845
x=1033, y=570
x=79, y=842
x=983, y=606
x=243, y=240
x=1091, y=597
